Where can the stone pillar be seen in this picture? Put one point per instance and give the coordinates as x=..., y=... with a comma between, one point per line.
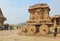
x=46, y=13
x=55, y=22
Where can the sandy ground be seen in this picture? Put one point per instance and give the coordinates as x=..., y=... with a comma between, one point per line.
x=11, y=35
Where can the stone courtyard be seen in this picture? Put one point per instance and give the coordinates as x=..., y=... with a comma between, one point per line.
x=11, y=35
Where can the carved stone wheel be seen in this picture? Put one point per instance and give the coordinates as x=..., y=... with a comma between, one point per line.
x=44, y=29
x=31, y=29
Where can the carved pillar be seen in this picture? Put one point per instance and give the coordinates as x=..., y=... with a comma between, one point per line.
x=55, y=22
x=46, y=14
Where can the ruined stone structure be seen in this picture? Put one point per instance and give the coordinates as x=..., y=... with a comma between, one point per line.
x=40, y=22
x=56, y=20
x=2, y=18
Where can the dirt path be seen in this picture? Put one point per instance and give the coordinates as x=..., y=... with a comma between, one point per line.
x=11, y=35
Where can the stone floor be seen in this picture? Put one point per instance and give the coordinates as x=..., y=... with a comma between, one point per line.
x=11, y=35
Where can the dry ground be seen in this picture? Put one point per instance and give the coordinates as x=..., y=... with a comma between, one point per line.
x=11, y=35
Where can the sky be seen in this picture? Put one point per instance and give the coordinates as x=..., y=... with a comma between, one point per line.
x=16, y=11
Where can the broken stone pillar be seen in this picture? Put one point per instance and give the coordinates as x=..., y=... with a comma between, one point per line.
x=55, y=22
